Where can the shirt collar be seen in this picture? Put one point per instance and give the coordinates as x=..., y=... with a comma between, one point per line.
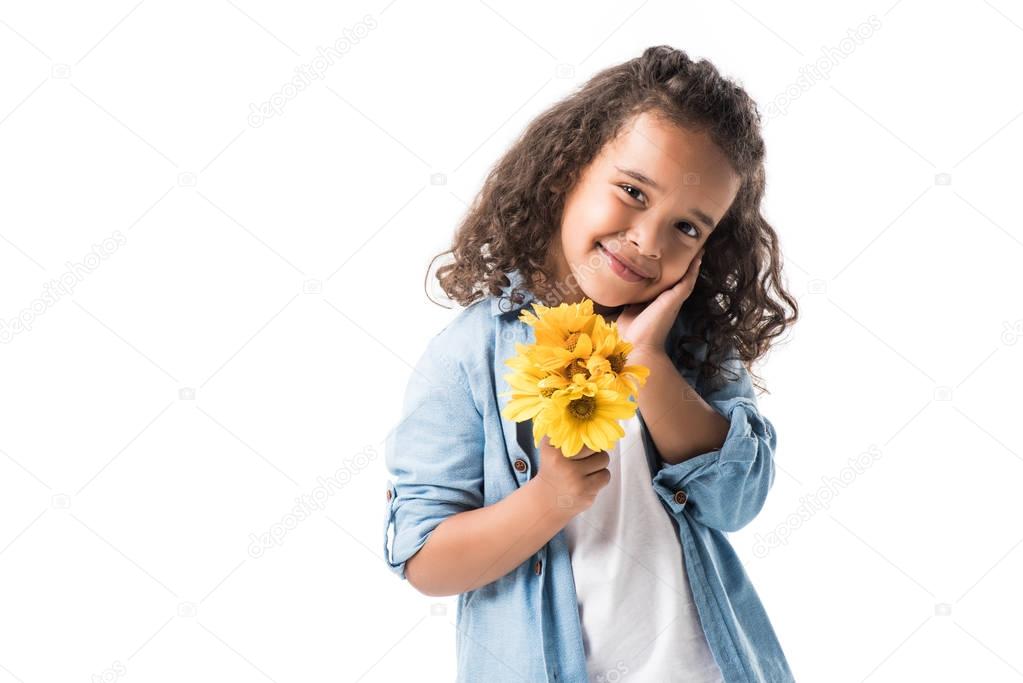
x=502, y=304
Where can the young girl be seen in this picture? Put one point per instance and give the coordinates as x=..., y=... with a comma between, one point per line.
x=640, y=192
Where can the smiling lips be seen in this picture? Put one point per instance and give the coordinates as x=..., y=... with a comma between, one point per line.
x=620, y=268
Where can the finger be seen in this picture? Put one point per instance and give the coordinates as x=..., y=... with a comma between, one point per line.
x=684, y=287
x=585, y=452
x=688, y=281
x=681, y=290
x=694, y=266
x=596, y=462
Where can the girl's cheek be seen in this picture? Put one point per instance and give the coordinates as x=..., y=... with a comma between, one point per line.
x=603, y=208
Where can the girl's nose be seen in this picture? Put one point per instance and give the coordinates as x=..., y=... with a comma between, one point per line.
x=644, y=236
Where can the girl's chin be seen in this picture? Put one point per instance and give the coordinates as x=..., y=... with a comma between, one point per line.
x=610, y=299
x=608, y=292
x=604, y=304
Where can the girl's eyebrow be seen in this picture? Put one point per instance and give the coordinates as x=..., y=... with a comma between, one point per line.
x=641, y=177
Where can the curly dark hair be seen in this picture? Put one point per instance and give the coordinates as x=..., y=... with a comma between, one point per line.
x=514, y=217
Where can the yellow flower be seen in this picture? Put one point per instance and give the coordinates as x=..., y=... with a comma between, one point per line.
x=561, y=357
x=586, y=412
x=560, y=326
x=530, y=385
x=607, y=344
x=527, y=398
x=574, y=383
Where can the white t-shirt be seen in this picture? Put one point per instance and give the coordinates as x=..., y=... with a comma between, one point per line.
x=635, y=605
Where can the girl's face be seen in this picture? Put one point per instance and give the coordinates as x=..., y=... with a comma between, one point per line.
x=650, y=201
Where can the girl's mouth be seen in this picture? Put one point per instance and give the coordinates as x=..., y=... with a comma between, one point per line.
x=619, y=268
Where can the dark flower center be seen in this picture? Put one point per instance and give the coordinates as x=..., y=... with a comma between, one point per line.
x=583, y=408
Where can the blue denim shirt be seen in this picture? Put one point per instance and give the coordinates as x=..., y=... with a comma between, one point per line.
x=452, y=451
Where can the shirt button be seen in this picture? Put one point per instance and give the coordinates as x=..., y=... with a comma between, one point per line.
x=389, y=494
x=681, y=497
x=520, y=465
x=537, y=567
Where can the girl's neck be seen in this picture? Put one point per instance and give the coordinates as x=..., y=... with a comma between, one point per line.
x=609, y=313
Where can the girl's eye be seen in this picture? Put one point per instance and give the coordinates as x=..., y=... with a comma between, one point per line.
x=628, y=187
x=696, y=231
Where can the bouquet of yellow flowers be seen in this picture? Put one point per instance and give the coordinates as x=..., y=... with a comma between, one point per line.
x=574, y=382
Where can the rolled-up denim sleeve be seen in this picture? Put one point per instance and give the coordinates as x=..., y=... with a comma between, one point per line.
x=434, y=454
x=725, y=488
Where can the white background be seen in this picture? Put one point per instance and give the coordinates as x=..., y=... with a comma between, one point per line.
x=248, y=332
